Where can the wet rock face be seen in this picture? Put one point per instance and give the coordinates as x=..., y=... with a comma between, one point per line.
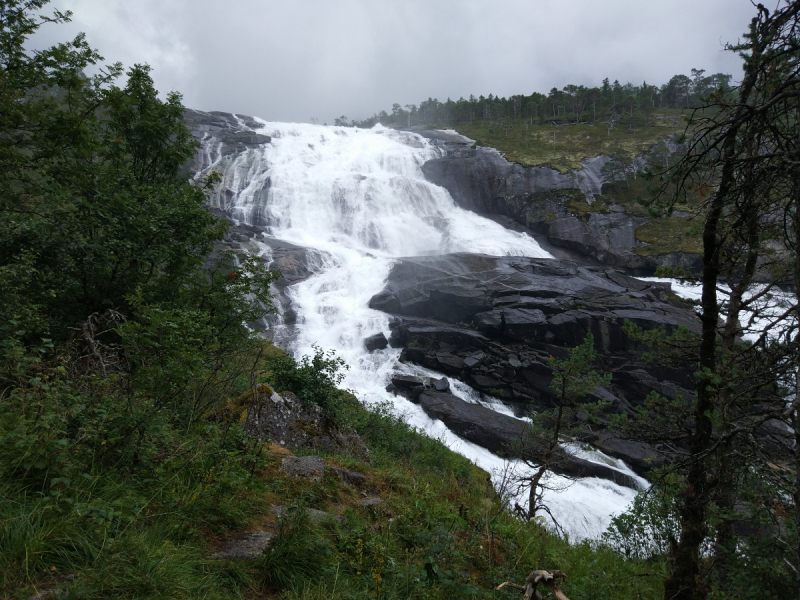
x=233, y=132
x=481, y=180
x=494, y=323
x=374, y=342
x=294, y=263
x=506, y=436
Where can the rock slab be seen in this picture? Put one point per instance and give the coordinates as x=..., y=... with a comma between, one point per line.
x=495, y=322
x=282, y=511
x=306, y=467
x=246, y=546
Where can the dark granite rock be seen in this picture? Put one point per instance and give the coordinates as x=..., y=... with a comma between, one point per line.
x=295, y=263
x=521, y=311
x=411, y=387
x=481, y=180
x=640, y=457
x=440, y=385
x=385, y=301
x=506, y=296
x=377, y=341
x=406, y=382
x=454, y=304
x=506, y=436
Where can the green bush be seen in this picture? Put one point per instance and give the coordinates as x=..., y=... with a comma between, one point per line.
x=313, y=378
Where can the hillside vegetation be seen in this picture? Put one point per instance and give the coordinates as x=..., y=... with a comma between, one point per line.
x=563, y=146
x=560, y=128
x=126, y=365
x=129, y=356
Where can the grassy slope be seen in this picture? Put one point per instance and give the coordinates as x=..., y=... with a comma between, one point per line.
x=440, y=532
x=532, y=145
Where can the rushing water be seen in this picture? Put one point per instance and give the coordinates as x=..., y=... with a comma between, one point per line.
x=766, y=315
x=359, y=197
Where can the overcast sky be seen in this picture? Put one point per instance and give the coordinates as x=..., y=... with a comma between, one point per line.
x=290, y=60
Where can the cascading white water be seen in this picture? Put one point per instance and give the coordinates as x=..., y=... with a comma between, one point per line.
x=359, y=197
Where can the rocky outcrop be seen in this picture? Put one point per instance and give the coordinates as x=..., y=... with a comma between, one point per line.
x=231, y=133
x=541, y=199
x=508, y=436
x=293, y=423
x=494, y=323
x=246, y=546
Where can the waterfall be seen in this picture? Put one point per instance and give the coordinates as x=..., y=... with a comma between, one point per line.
x=360, y=199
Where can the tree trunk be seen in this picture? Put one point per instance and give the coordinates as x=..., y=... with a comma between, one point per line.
x=684, y=581
x=796, y=420
x=727, y=476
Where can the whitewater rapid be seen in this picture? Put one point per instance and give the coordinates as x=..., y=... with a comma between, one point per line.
x=360, y=199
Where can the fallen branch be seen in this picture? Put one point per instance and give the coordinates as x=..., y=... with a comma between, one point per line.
x=548, y=578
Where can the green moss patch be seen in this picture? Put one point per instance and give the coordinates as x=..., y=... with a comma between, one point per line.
x=563, y=147
x=669, y=234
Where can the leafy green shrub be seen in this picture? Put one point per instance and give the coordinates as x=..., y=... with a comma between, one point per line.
x=314, y=379
x=645, y=529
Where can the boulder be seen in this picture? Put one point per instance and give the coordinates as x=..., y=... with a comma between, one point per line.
x=377, y=341
x=307, y=467
x=349, y=477
x=293, y=423
x=245, y=546
x=411, y=387
x=440, y=385
x=508, y=436
x=371, y=501
x=406, y=383
x=281, y=511
x=640, y=457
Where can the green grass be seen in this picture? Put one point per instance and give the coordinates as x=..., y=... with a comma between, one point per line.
x=532, y=145
x=669, y=234
x=663, y=234
x=441, y=531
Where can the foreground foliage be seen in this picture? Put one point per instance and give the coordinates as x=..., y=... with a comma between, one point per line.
x=147, y=532
x=124, y=345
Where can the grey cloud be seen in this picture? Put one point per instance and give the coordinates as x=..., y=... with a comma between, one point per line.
x=292, y=60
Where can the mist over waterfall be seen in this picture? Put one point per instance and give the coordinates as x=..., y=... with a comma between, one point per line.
x=359, y=199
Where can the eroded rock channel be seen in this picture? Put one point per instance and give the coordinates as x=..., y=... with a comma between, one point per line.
x=494, y=322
